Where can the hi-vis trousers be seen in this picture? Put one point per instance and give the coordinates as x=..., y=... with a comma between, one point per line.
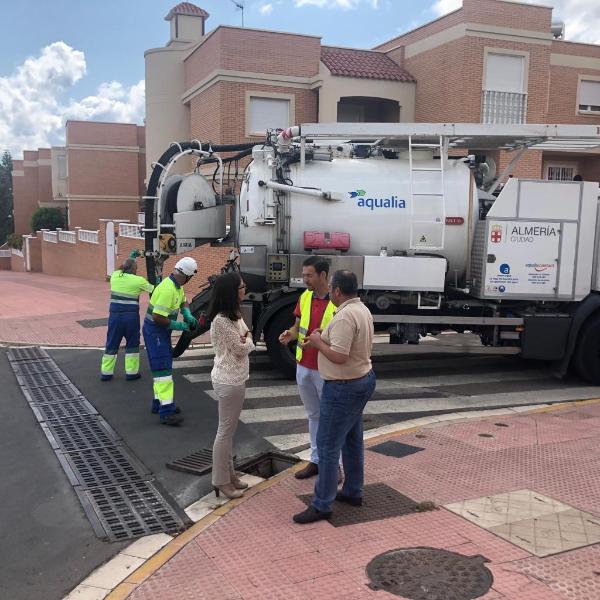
x=160, y=356
x=122, y=325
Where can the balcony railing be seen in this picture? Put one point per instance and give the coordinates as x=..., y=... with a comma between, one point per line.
x=130, y=230
x=87, y=235
x=50, y=236
x=4, y=253
x=70, y=237
x=503, y=107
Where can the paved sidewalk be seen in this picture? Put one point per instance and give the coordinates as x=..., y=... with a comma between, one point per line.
x=45, y=310
x=521, y=490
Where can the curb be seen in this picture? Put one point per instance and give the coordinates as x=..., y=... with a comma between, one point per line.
x=128, y=585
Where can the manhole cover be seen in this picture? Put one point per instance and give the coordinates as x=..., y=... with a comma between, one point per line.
x=197, y=463
x=395, y=449
x=430, y=574
x=91, y=323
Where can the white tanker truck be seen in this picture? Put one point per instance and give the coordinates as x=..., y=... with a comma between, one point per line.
x=413, y=210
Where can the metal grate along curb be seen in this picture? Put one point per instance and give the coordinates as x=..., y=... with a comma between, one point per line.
x=117, y=492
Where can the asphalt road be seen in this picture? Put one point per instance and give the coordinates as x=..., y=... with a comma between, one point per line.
x=48, y=546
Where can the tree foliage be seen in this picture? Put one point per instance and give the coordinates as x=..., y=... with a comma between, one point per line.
x=14, y=240
x=6, y=197
x=47, y=218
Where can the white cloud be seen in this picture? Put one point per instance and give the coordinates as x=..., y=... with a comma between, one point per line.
x=266, y=9
x=346, y=4
x=581, y=17
x=34, y=104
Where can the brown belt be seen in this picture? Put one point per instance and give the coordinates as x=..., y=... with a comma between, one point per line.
x=348, y=380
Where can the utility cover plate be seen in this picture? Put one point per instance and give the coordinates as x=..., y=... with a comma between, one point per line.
x=430, y=574
x=91, y=323
x=395, y=449
x=379, y=502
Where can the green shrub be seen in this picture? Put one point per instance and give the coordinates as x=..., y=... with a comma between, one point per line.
x=15, y=240
x=47, y=218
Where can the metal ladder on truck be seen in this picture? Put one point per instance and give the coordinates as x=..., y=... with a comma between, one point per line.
x=427, y=231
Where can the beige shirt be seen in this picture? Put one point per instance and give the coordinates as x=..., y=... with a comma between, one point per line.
x=350, y=332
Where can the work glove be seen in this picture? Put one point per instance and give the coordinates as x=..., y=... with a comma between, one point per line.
x=178, y=326
x=135, y=253
x=189, y=318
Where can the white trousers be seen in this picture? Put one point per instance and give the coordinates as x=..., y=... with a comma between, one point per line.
x=310, y=388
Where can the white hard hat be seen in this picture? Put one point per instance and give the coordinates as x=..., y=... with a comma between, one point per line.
x=187, y=265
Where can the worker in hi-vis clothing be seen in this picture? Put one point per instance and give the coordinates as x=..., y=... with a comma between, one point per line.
x=161, y=319
x=124, y=319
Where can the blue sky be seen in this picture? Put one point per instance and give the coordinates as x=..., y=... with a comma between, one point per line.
x=84, y=59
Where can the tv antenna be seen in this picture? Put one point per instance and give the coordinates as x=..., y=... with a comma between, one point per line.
x=240, y=6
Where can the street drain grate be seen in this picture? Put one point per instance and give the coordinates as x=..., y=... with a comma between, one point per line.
x=28, y=353
x=79, y=434
x=197, y=463
x=395, y=449
x=129, y=510
x=115, y=489
x=59, y=411
x=379, y=502
x=40, y=380
x=49, y=395
x=102, y=466
x=430, y=574
x=21, y=367
x=91, y=323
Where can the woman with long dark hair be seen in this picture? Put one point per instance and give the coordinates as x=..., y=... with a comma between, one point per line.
x=232, y=342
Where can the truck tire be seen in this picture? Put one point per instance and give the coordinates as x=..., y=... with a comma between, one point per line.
x=282, y=357
x=587, y=354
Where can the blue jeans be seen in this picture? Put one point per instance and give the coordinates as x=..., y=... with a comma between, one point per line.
x=340, y=428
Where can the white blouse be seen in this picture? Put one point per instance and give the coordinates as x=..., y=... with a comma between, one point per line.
x=231, y=366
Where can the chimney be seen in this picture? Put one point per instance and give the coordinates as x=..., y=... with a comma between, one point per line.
x=187, y=23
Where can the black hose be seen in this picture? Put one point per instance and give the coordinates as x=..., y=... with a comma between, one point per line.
x=153, y=187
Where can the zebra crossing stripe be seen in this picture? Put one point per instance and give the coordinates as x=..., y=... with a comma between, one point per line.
x=287, y=442
x=398, y=383
x=416, y=405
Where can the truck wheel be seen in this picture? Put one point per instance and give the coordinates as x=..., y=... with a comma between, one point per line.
x=587, y=355
x=282, y=357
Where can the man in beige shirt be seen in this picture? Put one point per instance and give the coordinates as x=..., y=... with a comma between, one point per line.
x=345, y=365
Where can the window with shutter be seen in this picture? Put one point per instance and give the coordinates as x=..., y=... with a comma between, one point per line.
x=505, y=73
x=589, y=96
x=504, y=98
x=268, y=113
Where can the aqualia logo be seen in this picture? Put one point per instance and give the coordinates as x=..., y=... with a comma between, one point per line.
x=373, y=203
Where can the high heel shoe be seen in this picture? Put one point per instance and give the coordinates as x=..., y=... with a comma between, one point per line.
x=228, y=491
x=238, y=484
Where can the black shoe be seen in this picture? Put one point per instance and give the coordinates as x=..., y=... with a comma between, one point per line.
x=352, y=501
x=310, y=470
x=105, y=377
x=171, y=420
x=310, y=515
x=156, y=410
x=133, y=377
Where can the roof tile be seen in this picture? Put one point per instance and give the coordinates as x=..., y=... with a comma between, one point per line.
x=188, y=9
x=363, y=64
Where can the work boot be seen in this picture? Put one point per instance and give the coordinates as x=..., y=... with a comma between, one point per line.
x=155, y=409
x=133, y=377
x=105, y=377
x=173, y=420
x=310, y=470
x=310, y=515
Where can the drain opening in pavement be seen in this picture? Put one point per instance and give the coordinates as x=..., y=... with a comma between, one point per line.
x=119, y=495
x=430, y=574
x=91, y=323
x=264, y=465
x=379, y=502
x=395, y=449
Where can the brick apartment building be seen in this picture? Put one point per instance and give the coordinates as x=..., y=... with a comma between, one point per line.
x=98, y=174
x=490, y=61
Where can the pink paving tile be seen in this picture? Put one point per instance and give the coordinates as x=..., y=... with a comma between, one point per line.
x=303, y=567
x=340, y=586
x=190, y=574
x=516, y=586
